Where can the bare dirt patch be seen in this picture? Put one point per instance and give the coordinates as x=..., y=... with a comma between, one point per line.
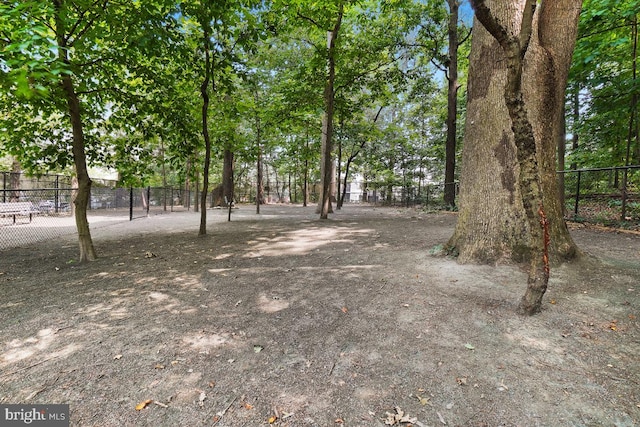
x=287, y=319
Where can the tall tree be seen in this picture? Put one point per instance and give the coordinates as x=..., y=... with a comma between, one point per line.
x=519, y=66
x=224, y=31
x=65, y=64
x=327, y=164
x=452, y=104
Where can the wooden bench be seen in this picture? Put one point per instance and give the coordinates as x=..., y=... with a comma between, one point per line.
x=15, y=209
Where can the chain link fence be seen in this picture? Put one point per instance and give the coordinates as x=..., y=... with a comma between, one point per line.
x=29, y=213
x=40, y=208
x=609, y=196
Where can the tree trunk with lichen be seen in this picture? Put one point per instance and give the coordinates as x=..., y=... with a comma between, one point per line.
x=494, y=224
x=81, y=200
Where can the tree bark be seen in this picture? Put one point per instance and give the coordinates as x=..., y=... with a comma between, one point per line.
x=633, y=118
x=83, y=195
x=492, y=225
x=14, y=181
x=339, y=172
x=327, y=133
x=452, y=107
x=227, y=176
x=204, y=92
x=259, y=178
x=305, y=190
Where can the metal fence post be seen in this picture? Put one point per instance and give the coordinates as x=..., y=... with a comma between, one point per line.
x=575, y=209
x=623, y=208
x=130, y=203
x=56, y=197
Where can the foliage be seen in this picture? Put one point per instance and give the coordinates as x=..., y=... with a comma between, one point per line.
x=602, y=72
x=138, y=67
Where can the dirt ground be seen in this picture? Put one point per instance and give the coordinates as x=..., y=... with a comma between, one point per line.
x=285, y=319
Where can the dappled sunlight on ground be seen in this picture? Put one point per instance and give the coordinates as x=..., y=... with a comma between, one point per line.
x=301, y=242
x=19, y=349
x=271, y=305
x=523, y=339
x=319, y=323
x=205, y=341
x=164, y=301
x=188, y=282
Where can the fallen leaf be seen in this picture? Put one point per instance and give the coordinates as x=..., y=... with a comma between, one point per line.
x=247, y=405
x=272, y=419
x=423, y=400
x=140, y=406
x=469, y=347
x=552, y=301
x=339, y=421
x=398, y=418
x=461, y=381
x=117, y=357
x=202, y=398
x=257, y=348
x=212, y=384
x=344, y=310
x=159, y=366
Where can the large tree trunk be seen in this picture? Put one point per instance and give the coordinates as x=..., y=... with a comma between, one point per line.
x=81, y=201
x=492, y=224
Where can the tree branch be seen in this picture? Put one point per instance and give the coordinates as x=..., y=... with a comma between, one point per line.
x=88, y=25
x=526, y=26
x=313, y=21
x=364, y=73
x=604, y=30
x=489, y=22
x=310, y=43
x=465, y=38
